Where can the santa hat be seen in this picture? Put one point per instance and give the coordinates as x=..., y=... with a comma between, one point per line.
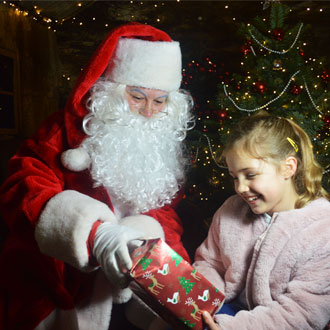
x=132, y=54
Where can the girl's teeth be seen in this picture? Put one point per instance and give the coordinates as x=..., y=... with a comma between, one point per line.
x=252, y=199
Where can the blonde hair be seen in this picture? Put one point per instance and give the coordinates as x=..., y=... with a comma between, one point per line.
x=274, y=139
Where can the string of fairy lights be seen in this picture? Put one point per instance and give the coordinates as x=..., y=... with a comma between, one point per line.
x=36, y=14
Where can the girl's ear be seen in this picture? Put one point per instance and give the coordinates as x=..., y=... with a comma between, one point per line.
x=290, y=167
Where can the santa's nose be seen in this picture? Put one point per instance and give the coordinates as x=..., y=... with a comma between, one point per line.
x=146, y=110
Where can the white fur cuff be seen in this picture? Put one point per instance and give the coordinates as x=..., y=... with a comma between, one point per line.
x=64, y=226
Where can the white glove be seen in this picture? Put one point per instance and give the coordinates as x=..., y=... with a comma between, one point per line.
x=111, y=250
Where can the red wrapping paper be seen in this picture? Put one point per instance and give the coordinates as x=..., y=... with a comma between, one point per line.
x=172, y=287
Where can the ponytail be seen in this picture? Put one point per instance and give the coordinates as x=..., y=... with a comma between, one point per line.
x=308, y=177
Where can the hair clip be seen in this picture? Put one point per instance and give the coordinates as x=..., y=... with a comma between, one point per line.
x=294, y=144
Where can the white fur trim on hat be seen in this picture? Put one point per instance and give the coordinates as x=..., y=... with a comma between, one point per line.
x=148, y=64
x=75, y=159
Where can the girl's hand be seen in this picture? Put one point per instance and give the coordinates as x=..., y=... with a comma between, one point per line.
x=209, y=321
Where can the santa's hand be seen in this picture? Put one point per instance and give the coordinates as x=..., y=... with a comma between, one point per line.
x=209, y=321
x=111, y=250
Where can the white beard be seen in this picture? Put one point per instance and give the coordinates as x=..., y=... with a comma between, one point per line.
x=138, y=159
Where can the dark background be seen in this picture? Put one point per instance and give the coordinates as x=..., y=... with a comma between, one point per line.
x=205, y=29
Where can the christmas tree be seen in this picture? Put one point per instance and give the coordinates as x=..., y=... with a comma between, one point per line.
x=276, y=76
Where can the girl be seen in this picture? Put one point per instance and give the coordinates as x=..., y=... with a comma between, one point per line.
x=268, y=247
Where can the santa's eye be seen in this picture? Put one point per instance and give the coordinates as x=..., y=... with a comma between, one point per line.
x=139, y=98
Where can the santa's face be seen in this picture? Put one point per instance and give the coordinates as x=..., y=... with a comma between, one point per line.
x=145, y=101
x=137, y=157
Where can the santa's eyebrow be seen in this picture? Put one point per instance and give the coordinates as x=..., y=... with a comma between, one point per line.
x=158, y=97
x=138, y=90
x=145, y=95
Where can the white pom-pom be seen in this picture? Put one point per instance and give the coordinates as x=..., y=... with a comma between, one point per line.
x=75, y=159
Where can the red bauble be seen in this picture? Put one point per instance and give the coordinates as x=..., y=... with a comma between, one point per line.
x=220, y=114
x=326, y=120
x=325, y=75
x=301, y=52
x=278, y=34
x=245, y=49
x=260, y=87
x=223, y=113
x=296, y=90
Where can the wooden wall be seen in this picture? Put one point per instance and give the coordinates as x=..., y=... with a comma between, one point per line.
x=38, y=76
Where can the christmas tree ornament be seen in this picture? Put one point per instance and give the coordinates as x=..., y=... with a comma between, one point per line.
x=223, y=114
x=260, y=87
x=301, y=52
x=277, y=64
x=326, y=120
x=325, y=75
x=278, y=34
x=245, y=49
x=296, y=90
x=220, y=114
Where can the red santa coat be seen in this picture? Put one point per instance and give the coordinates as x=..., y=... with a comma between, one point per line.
x=33, y=283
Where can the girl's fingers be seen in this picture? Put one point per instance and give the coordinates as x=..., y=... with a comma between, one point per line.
x=209, y=321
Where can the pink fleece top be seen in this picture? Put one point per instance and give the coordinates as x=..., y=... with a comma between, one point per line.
x=284, y=267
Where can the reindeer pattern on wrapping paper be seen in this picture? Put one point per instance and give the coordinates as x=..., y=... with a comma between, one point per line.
x=155, y=285
x=196, y=313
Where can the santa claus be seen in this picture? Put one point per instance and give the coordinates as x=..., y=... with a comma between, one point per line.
x=96, y=178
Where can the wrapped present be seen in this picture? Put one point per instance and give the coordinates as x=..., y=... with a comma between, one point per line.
x=170, y=286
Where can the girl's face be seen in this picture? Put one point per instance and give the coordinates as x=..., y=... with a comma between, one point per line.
x=261, y=184
x=145, y=101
